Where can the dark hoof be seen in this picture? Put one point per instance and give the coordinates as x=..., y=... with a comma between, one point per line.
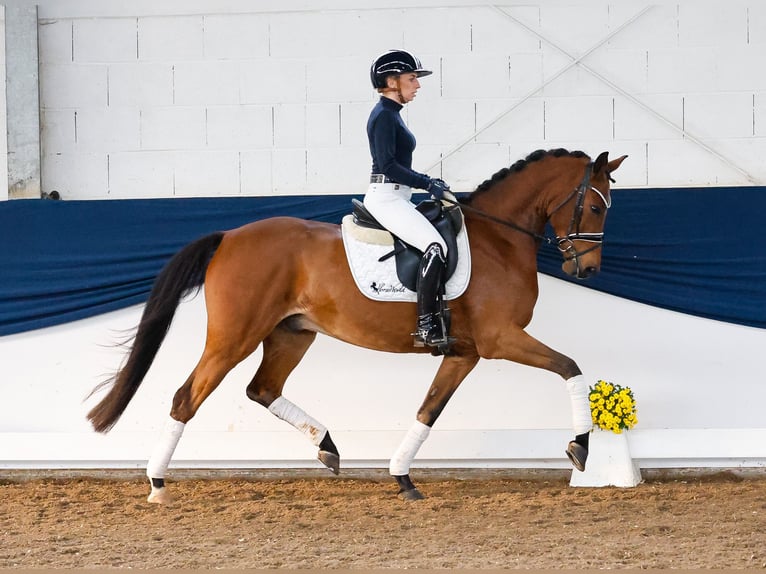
x=413, y=494
x=330, y=460
x=407, y=490
x=578, y=454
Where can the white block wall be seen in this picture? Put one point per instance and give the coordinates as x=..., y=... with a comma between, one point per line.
x=168, y=99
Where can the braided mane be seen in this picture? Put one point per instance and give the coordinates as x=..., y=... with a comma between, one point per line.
x=520, y=165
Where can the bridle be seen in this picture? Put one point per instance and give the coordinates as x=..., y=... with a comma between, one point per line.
x=564, y=243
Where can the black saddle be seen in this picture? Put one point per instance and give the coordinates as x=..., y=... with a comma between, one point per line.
x=448, y=221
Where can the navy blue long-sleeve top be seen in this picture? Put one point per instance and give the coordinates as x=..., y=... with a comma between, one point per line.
x=392, y=144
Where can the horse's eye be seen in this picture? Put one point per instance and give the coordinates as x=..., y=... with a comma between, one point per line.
x=595, y=209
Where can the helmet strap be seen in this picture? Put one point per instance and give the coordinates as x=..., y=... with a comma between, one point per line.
x=397, y=90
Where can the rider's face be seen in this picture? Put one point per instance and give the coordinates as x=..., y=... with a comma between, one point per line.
x=405, y=84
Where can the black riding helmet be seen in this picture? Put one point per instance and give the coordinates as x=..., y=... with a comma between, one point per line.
x=394, y=63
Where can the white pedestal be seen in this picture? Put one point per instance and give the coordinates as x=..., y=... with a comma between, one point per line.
x=609, y=462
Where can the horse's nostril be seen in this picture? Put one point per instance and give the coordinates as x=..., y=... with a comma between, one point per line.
x=588, y=272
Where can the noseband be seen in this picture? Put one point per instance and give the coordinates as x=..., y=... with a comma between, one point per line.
x=565, y=243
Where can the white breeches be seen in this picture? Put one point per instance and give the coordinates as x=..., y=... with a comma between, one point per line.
x=390, y=204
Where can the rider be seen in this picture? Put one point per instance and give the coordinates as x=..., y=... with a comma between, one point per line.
x=394, y=75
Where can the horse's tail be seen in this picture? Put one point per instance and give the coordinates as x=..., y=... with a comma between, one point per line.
x=184, y=272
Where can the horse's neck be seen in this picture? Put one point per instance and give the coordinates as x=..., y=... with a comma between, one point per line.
x=520, y=201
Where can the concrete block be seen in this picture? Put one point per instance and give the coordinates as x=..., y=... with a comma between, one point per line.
x=206, y=173
x=113, y=129
x=334, y=86
x=142, y=174
x=322, y=125
x=170, y=128
x=443, y=122
x=656, y=28
x=756, y=16
x=337, y=170
x=141, y=84
x=574, y=28
x=473, y=164
x=288, y=172
x=236, y=36
x=511, y=120
x=634, y=122
x=578, y=119
x=525, y=74
x=170, y=38
x=564, y=79
x=76, y=175
x=735, y=69
x=335, y=34
x=463, y=73
x=54, y=39
x=290, y=125
x=105, y=40
x=680, y=163
x=353, y=123
x=269, y=81
x=712, y=116
x=626, y=69
x=57, y=131
x=438, y=30
x=240, y=127
x=73, y=85
x=207, y=83
x=759, y=115
x=498, y=32
x=255, y=170
x=747, y=154
x=681, y=70
x=714, y=24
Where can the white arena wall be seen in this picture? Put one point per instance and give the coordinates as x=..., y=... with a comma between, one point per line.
x=228, y=97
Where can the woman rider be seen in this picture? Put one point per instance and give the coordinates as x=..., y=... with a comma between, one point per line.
x=394, y=75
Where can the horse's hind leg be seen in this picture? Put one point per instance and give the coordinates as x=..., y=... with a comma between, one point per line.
x=207, y=375
x=282, y=351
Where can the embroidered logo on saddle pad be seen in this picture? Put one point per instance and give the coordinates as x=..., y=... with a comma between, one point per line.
x=377, y=279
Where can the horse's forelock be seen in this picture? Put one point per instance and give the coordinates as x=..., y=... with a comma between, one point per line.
x=518, y=166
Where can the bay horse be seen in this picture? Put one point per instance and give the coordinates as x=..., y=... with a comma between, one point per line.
x=280, y=281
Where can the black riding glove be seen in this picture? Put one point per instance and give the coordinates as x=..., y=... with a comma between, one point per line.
x=437, y=187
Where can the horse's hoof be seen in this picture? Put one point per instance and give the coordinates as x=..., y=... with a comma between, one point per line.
x=159, y=496
x=330, y=460
x=577, y=454
x=412, y=494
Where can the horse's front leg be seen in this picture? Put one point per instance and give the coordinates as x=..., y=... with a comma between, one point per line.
x=520, y=347
x=449, y=376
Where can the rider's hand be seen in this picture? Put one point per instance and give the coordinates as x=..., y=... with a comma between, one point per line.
x=437, y=187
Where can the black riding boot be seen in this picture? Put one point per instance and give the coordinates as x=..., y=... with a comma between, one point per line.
x=430, y=330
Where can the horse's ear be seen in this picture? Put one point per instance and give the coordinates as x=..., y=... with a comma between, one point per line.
x=614, y=164
x=602, y=163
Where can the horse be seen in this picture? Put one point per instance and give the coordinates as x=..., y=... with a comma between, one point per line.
x=279, y=281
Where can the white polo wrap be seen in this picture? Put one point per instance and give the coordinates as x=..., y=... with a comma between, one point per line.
x=582, y=420
x=405, y=454
x=288, y=412
x=163, y=452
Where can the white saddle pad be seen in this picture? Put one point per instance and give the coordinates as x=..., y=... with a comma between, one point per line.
x=377, y=279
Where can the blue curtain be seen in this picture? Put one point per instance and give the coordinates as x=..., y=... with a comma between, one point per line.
x=689, y=250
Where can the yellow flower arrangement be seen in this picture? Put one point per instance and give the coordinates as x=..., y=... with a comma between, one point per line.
x=612, y=407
